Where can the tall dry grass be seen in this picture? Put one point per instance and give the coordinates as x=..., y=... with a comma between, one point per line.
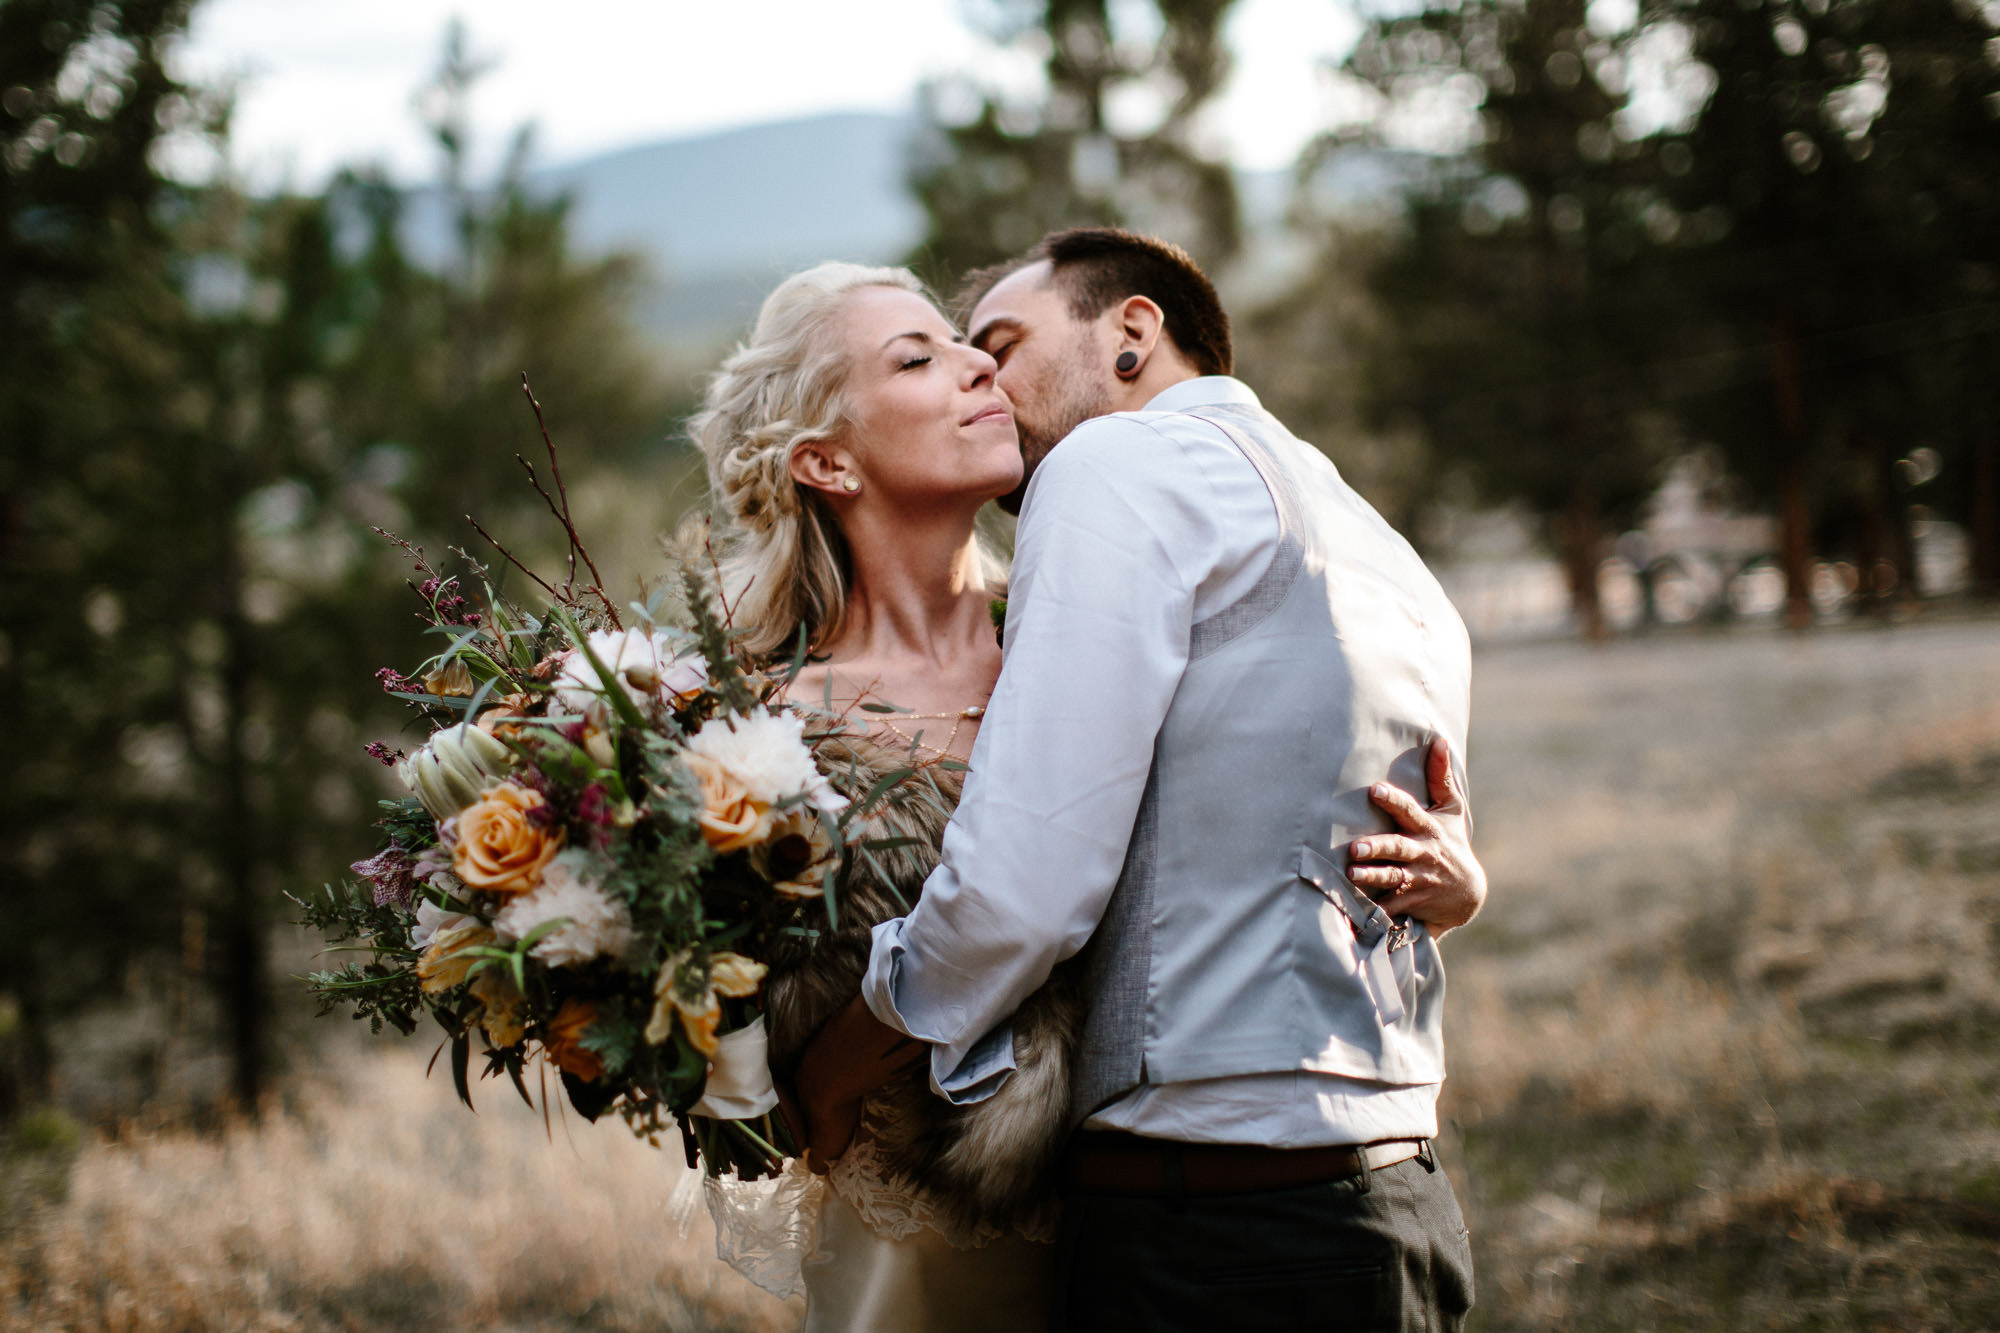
x=381, y=1205
x=1721, y=1046
x=1722, y=1053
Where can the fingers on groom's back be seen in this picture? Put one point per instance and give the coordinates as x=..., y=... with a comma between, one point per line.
x=1402, y=807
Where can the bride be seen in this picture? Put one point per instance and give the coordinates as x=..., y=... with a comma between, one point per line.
x=851, y=443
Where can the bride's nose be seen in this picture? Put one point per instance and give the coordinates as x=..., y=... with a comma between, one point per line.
x=978, y=370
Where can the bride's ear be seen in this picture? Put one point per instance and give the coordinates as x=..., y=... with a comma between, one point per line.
x=815, y=465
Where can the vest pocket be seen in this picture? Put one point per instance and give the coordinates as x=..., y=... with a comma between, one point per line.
x=1369, y=921
x=1382, y=953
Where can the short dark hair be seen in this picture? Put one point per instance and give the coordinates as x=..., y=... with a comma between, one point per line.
x=1097, y=267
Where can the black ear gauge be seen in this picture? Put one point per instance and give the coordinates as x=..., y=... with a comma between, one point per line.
x=1127, y=363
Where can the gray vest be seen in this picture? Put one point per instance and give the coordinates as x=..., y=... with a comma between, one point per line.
x=1234, y=943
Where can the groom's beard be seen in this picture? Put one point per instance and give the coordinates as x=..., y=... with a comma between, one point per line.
x=1075, y=398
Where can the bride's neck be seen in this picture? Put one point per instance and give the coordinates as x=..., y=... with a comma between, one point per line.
x=916, y=588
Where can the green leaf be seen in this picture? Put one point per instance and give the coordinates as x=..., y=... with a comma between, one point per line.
x=514, y=1072
x=830, y=890
x=461, y=1052
x=882, y=784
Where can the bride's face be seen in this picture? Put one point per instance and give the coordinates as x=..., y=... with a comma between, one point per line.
x=928, y=423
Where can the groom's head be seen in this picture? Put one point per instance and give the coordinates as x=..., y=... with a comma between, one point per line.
x=1092, y=321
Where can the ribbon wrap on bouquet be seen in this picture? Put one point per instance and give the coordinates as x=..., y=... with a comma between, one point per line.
x=739, y=1077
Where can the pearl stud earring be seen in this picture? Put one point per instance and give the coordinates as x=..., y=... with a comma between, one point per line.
x=850, y=484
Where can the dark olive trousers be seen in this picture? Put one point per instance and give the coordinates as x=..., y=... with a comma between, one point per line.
x=1384, y=1251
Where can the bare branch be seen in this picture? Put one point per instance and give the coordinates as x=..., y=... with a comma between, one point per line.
x=494, y=542
x=721, y=589
x=416, y=553
x=569, y=580
x=555, y=471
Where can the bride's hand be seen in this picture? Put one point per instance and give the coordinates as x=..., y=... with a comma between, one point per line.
x=854, y=1054
x=1428, y=870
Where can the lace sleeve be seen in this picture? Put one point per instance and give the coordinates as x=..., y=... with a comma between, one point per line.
x=893, y=1206
x=767, y=1229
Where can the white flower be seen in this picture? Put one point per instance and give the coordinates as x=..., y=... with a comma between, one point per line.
x=645, y=665
x=458, y=763
x=599, y=926
x=431, y=919
x=766, y=756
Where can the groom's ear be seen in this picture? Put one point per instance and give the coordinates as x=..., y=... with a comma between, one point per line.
x=814, y=464
x=1140, y=323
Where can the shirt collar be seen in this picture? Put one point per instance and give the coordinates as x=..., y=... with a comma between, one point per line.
x=1203, y=391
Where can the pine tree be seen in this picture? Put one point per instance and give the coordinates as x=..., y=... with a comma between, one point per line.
x=994, y=179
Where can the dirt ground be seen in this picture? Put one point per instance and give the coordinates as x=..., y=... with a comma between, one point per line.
x=1725, y=1054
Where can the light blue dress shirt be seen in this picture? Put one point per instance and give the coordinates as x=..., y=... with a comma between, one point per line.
x=1135, y=527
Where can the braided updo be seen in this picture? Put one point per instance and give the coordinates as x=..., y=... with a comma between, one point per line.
x=785, y=561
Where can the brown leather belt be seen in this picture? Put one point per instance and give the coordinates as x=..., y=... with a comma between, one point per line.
x=1104, y=1162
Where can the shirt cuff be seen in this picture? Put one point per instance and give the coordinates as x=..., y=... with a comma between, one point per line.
x=960, y=1077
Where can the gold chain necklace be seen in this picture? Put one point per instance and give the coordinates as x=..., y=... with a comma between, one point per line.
x=957, y=720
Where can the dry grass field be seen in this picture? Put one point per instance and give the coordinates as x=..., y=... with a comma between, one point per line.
x=1726, y=1044
x=1726, y=1054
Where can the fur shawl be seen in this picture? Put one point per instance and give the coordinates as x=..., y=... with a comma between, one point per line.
x=990, y=1163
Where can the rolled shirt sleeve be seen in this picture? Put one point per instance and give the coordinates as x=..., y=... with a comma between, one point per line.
x=1117, y=539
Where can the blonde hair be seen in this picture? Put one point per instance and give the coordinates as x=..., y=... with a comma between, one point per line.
x=785, y=562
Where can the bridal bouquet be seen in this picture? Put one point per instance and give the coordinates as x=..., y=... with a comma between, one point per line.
x=608, y=830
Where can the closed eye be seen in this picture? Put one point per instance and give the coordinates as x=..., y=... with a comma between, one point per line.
x=914, y=362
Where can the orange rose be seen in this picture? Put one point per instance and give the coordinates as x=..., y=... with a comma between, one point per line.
x=731, y=819
x=564, y=1042
x=499, y=848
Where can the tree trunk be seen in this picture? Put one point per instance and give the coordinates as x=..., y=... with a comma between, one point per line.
x=1875, y=564
x=27, y=1058
x=1985, y=516
x=238, y=927
x=1794, y=517
x=1579, y=536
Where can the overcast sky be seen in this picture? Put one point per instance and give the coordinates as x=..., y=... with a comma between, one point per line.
x=323, y=84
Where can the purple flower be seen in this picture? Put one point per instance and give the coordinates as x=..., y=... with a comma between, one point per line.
x=394, y=682
x=594, y=811
x=543, y=816
x=383, y=754
x=392, y=873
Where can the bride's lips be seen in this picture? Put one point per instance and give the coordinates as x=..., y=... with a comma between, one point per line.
x=996, y=412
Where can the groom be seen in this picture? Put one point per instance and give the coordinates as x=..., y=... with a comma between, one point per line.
x=1216, y=652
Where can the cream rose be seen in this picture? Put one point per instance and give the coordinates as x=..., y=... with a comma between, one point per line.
x=747, y=766
x=731, y=818
x=500, y=849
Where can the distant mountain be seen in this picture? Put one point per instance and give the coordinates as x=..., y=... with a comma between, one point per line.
x=769, y=196
x=721, y=217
